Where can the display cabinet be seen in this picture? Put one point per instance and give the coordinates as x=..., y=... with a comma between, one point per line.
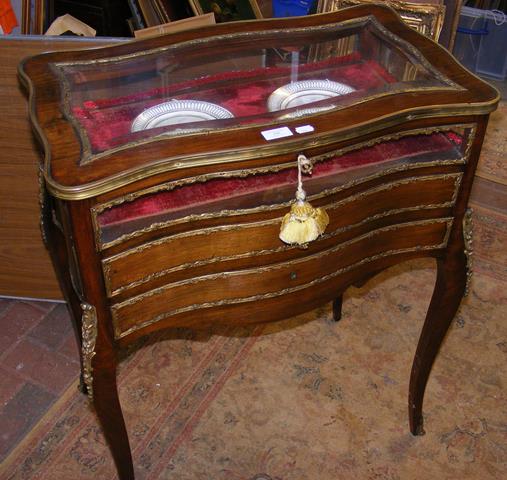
x=170, y=163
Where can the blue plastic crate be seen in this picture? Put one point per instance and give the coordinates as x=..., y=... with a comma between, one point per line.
x=481, y=41
x=292, y=8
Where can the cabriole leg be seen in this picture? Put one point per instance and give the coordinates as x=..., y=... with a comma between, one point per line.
x=107, y=406
x=449, y=290
x=99, y=374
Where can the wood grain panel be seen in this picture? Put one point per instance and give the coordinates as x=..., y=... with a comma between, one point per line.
x=25, y=267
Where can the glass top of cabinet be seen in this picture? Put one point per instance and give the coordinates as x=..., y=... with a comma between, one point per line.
x=243, y=78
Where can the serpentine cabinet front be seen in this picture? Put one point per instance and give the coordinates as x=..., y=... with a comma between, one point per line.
x=250, y=172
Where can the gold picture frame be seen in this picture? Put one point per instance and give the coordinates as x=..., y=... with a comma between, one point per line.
x=426, y=18
x=227, y=10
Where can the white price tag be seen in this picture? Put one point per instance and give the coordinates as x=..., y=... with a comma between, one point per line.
x=305, y=129
x=275, y=133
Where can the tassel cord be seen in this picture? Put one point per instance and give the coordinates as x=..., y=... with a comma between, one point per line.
x=306, y=165
x=303, y=223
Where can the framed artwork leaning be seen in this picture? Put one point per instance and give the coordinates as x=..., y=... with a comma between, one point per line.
x=437, y=19
x=227, y=10
x=427, y=18
x=34, y=17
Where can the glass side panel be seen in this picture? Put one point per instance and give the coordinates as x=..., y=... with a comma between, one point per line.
x=237, y=194
x=234, y=80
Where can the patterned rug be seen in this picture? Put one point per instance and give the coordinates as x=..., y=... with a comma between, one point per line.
x=492, y=165
x=307, y=398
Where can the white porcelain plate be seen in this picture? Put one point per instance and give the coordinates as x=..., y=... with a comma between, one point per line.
x=177, y=112
x=304, y=92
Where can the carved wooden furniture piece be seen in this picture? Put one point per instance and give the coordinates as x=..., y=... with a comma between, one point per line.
x=175, y=223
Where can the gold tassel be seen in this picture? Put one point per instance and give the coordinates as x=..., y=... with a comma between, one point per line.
x=303, y=223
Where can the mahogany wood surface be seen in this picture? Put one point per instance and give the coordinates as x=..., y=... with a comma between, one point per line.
x=136, y=286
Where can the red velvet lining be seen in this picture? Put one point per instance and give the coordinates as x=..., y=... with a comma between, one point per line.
x=107, y=122
x=228, y=188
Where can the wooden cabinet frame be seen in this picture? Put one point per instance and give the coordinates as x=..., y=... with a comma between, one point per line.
x=260, y=282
